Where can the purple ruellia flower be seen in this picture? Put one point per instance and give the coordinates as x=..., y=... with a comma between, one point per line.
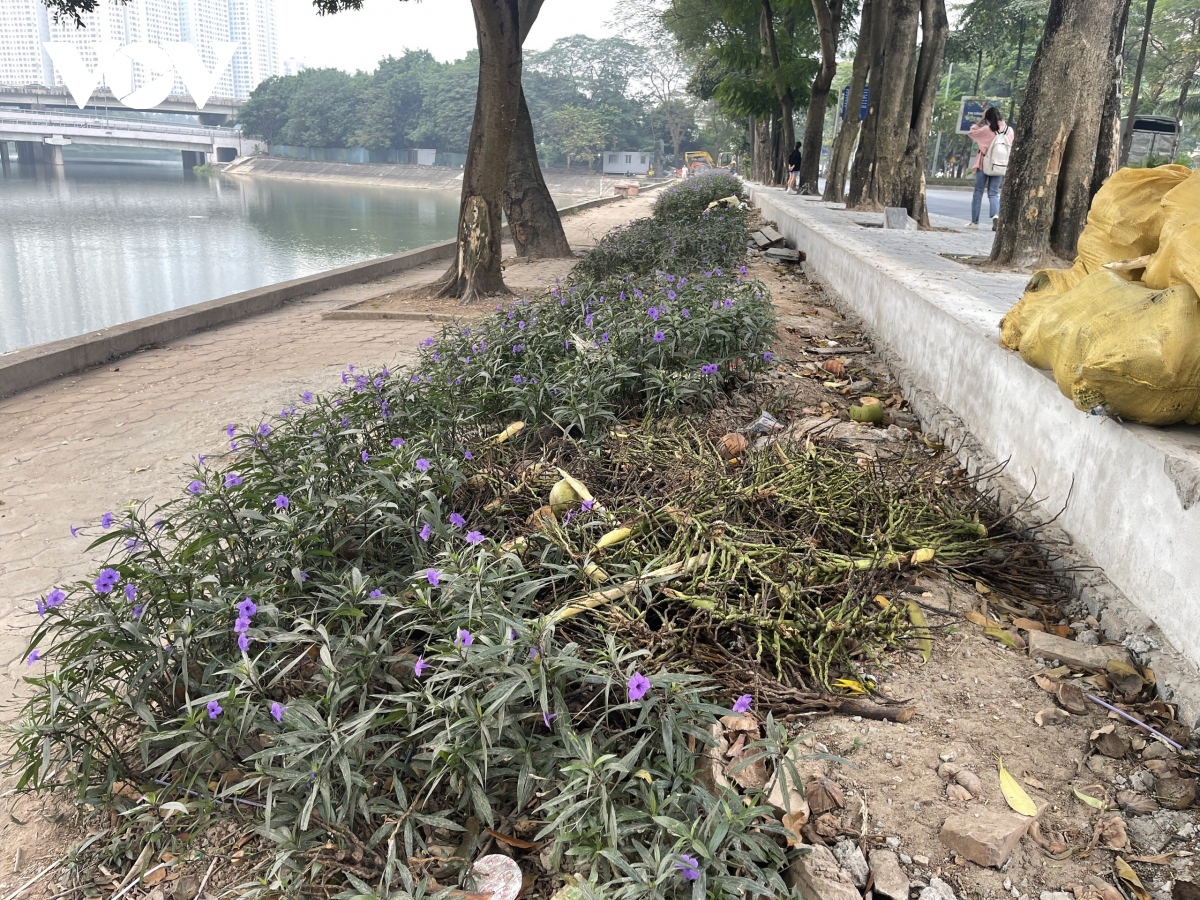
x=548, y=718
x=604, y=338
x=457, y=521
x=55, y=598
x=365, y=456
x=130, y=591
x=728, y=303
x=264, y=429
x=517, y=379
x=422, y=465
x=465, y=638
x=686, y=313
x=202, y=460
x=375, y=593
x=638, y=685
x=659, y=337
x=420, y=666
x=426, y=531
x=533, y=653
x=106, y=580
x=743, y=704
x=195, y=487
x=688, y=866
x=75, y=531
x=587, y=505
x=434, y=576
x=474, y=538
x=242, y=625
x=670, y=295
x=138, y=610
x=214, y=709
x=468, y=455
x=277, y=711
x=229, y=429
x=652, y=312
x=709, y=369
x=106, y=520
x=233, y=445
x=34, y=656
x=244, y=642
x=282, y=502
x=397, y=442
x=307, y=396
x=428, y=342
x=303, y=576
x=247, y=608
x=232, y=479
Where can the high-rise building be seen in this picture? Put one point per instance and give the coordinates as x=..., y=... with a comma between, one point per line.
x=25, y=25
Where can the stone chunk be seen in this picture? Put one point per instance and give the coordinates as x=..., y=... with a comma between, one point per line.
x=898, y=219
x=890, y=880
x=818, y=877
x=986, y=838
x=852, y=860
x=1057, y=895
x=1043, y=645
x=937, y=890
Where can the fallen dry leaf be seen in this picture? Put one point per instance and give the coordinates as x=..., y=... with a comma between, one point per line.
x=1134, y=804
x=1046, y=683
x=1174, y=792
x=1071, y=698
x=792, y=824
x=1130, y=879
x=1028, y=624
x=1054, y=843
x=1014, y=794
x=517, y=842
x=1112, y=833
x=823, y=795
x=834, y=367
x=1033, y=782
x=1051, y=715
x=1163, y=859
x=977, y=618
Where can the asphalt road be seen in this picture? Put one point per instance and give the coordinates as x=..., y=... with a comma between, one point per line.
x=943, y=202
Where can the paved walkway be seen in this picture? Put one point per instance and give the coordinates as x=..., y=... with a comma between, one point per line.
x=78, y=447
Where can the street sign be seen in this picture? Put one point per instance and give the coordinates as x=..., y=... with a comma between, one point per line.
x=971, y=108
x=862, y=114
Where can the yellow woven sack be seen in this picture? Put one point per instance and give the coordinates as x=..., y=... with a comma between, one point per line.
x=1046, y=286
x=1131, y=350
x=1177, y=260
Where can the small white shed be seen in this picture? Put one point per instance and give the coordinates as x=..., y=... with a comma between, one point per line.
x=626, y=162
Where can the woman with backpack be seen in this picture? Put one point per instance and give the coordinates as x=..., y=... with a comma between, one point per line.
x=994, y=138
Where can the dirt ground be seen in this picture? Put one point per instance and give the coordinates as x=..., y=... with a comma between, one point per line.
x=975, y=698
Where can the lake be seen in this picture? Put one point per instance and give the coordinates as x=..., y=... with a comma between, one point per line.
x=106, y=242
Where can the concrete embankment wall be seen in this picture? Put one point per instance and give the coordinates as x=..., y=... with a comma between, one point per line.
x=566, y=186
x=1126, y=496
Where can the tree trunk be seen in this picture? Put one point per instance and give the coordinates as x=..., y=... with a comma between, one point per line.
x=1127, y=132
x=1181, y=105
x=843, y=144
x=1050, y=172
x=1108, y=143
x=476, y=269
x=786, y=130
x=935, y=29
x=829, y=27
x=763, y=162
x=537, y=230
x=779, y=149
x=877, y=181
x=860, y=170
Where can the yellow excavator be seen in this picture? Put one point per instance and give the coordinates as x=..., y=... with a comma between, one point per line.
x=701, y=159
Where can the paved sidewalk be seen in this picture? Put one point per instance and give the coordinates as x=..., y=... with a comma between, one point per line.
x=78, y=447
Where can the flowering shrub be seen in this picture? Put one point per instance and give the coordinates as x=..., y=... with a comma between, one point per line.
x=327, y=628
x=690, y=198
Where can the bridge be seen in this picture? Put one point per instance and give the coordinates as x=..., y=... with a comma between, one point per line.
x=46, y=133
x=217, y=111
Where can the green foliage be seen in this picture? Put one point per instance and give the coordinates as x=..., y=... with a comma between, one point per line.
x=322, y=110
x=265, y=113
x=576, y=132
x=690, y=198
x=270, y=621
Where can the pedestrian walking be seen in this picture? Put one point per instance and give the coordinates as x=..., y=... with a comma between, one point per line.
x=993, y=136
x=793, y=163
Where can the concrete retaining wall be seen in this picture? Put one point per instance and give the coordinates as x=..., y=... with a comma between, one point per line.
x=1127, y=493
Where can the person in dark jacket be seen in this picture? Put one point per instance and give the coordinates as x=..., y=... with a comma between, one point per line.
x=794, y=159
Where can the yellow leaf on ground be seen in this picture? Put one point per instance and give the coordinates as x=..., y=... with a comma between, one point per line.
x=1088, y=799
x=849, y=684
x=924, y=641
x=924, y=555
x=882, y=601
x=1014, y=794
x=1130, y=879
x=977, y=618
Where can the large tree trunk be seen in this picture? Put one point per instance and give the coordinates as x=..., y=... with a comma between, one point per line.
x=785, y=131
x=829, y=29
x=780, y=148
x=536, y=227
x=935, y=28
x=1131, y=116
x=843, y=144
x=876, y=179
x=1045, y=196
x=762, y=159
x=476, y=269
x=1108, y=143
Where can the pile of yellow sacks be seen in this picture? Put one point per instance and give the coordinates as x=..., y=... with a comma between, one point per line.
x=1121, y=328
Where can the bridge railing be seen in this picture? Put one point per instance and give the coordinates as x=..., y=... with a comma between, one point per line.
x=41, y=120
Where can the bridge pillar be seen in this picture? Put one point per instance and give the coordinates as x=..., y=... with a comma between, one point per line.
x=26, y=153
x=54, y=155
x=192, y=158
x=4, y=165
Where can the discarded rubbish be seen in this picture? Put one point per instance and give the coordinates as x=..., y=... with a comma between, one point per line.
x=1136, y=721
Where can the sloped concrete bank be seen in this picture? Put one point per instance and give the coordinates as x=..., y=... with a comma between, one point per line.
x=1125, y=495
x=563, y=186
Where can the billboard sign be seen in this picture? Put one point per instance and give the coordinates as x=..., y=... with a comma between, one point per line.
x=971, y=108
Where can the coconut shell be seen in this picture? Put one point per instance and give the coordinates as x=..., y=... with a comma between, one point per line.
x=562, y=496
x=869, y=415
x=732, y=445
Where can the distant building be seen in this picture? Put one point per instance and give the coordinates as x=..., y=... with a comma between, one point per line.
x=25, y=25
x=626, y=162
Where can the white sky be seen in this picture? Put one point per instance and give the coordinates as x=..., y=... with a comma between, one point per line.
x=357, y=40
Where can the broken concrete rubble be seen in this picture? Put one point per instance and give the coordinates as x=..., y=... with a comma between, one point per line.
x=985, y=837
x=1043, y=645
x=890, y=881
x=852, y=860
x=817, y=875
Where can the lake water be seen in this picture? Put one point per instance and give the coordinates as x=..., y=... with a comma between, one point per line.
x=109, y=242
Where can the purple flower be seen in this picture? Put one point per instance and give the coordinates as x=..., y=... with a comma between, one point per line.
x=589, y=320
x=604, y=338
x=243, y=642
x=420, y=666
x=282, y=502
x=344, y=422
x=465, y=638
x=214, y=709
x=233, y=445
x=548, y=718
x=686, y=313
x=55, y=598
x=106, y=520
x=587, y=505
x=688, y=866
x=517, y=379
x=247, y=608
x=75, y=531
x=229, y=429
x=743, y=704
x=34, y=656
x=457, y=521
x=232, y=479
x=365, y=456
x=196, y=487
x=202, y=460
x=767, y=356
x=422, y=465
x=474, y=538
x=264, y=429
x=659, y=337
x=106, y=580
x=728, y=303
x=242, y=625
x=303, y=576
x=670, y=295
x=131, y=591
x=426, y=531
x=638, y=685
x=277, y=711
x=434, y=576
x=533, y=653
x=138, y=610
x=709, y=369
x=307, y=396
x=652, y=312
x=468, y=455
x=397, y=442
x=521, y=326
